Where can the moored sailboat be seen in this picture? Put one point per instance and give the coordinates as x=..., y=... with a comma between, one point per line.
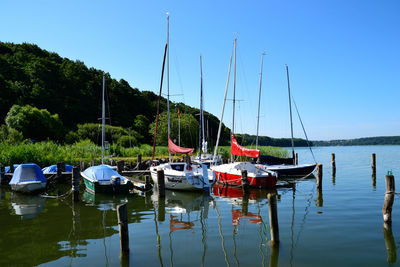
x=231, y=173
x=285, y=167
x=178, y=175
x=102, y=178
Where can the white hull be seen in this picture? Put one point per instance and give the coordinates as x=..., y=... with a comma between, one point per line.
x=182, y=178
x=28, y=187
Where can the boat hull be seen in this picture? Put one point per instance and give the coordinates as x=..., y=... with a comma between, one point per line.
x=181, y=180
x=108, y=188
x=302, y=170
x=29, y=187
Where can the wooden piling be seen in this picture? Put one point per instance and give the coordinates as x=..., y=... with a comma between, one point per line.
x=93, y=162
x=245, y=182
x=139, y=161
x=2, y=174
x=333, y=165
x=60, y=169
x=12, y=168
x=76, y=175
x=296, y=159
x=161, y=183
x=120, y=166
x=273, y=218
x=147, y=185
x=373, y=163
x=389, y=199
x=122, y=212
x=319, y=176
x=82, y=165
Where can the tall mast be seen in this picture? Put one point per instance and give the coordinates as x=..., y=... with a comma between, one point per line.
x=201, y=110
x=169, y=129
x=234, y=90
x=103, y=119
x=290, y=108
x=259, y=98
x=222, y=112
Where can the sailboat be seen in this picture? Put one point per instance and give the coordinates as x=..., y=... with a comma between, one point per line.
x=231, y=173
x=103, y=178
x=178, y=175
x=285, y=167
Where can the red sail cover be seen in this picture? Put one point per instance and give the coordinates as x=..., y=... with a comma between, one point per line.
x=238, y=150
x=177, y=149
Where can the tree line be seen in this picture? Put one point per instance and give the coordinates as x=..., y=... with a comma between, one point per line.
x=47, y=97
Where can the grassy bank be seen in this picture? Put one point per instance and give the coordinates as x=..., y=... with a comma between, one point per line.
x=48, y=153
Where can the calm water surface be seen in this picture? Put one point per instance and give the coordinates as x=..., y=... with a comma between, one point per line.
x=343, y=226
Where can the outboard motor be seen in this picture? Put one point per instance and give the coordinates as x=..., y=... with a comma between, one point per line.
x=115, y=182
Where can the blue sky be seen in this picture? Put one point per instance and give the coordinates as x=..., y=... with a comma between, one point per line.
x=343, y=56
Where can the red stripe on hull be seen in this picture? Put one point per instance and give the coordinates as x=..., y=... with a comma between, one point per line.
x=234, y=179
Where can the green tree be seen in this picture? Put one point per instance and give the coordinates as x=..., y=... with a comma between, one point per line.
x=10, y=136
x=34, y=123
x=141, y=125
x=189, y=128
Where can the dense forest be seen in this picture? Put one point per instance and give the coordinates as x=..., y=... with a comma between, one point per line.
x=380, y=140
x=47, y=97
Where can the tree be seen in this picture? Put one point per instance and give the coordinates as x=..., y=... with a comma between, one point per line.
x=34, y=123
x=10, y=136
x=189, y=128
x=141, y=125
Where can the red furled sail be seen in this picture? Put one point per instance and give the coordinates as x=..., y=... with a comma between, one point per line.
x=177, y=149
x=238, y=150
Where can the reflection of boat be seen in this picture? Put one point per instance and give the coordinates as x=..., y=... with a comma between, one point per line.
x=26, y=206
x=249, y=217
x=103, y=179
x=237, y=194
x=103, y=201
x=28, y=178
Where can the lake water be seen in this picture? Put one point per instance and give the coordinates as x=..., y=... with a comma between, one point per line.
x=343, y=226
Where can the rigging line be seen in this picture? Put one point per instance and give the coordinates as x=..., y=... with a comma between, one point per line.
x=158, y=236
x=170, y=246
x=292, y=225
x=304, y=130
x=222, y=236
x=104, y=239
x=260, y=236
x=307, y=210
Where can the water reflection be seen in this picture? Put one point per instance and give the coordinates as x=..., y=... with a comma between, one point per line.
x=27, y=206
x=390, y=243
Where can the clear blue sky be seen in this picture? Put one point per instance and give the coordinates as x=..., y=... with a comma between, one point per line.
x=343, y=56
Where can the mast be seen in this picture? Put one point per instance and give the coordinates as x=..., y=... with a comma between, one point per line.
x=103, y=119
x=290, y=108
x=234, y=90
x=169, y=129
x=259, y=98
x=201, y=110
x=222, y=112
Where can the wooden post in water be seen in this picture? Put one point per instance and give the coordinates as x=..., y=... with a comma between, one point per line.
x=245, y=182
x=373, y=163
x=139, y=161
x=12, y=169
x=319, y=176
x=82, y=165
x=389, y=199
x=59, y=170
x=296, y=159
x=76, y=175
x=161, y=183
x=120, y=166
x=273, y=218
x=122, y=212
x=333, y=165
x=147, y=185
x=2, y=174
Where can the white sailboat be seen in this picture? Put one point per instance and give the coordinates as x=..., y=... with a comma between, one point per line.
x=231, y=173
x=179, y=175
